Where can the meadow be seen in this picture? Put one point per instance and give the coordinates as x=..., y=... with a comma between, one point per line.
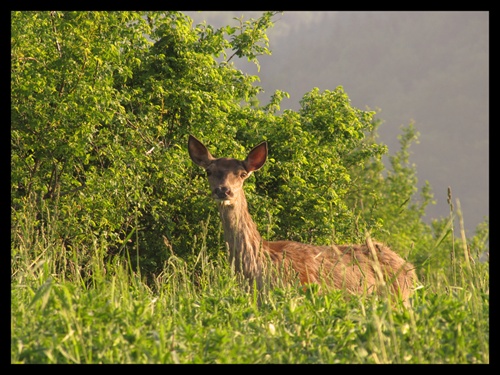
x=198, y=312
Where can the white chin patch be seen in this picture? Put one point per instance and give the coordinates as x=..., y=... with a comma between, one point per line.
x=225, y=202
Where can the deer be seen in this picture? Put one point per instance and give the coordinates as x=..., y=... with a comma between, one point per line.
x=355, y=268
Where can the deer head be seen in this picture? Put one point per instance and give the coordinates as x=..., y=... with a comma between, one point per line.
x=226, y=175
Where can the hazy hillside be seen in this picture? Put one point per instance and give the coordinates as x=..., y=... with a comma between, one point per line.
x=429, y=67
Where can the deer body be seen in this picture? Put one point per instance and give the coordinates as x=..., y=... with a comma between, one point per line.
x=349, y=267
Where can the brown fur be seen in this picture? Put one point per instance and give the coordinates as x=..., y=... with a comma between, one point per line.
x=354, y=268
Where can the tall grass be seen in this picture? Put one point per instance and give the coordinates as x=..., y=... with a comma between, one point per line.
x=198, y=312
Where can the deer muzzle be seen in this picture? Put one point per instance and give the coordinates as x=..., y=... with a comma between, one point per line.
x=222, y=193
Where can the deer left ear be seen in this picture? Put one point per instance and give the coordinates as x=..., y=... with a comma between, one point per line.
x=256, y=157
x=198, y=152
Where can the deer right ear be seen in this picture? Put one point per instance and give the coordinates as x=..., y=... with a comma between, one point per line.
x=256, y=157
x=199, y=153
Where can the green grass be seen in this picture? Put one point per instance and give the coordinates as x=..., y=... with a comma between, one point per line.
x=63, y=312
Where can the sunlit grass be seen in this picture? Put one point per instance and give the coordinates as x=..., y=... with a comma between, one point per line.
x=199, y=313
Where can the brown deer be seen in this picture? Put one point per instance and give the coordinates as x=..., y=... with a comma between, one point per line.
x=354, y=268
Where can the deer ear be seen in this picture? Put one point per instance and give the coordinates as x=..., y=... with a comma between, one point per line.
x=256, y=157
x=199, y=153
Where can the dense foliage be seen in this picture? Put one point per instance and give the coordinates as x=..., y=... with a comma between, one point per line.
x=102, y=103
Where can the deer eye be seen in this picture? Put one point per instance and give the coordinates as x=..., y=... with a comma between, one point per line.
x=243, y=174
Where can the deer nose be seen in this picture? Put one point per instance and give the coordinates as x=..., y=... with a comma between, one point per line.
x=222, y=192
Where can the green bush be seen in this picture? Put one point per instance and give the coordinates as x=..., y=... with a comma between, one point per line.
x=102, y=103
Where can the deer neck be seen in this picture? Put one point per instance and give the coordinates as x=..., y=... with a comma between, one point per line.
x=242, y=238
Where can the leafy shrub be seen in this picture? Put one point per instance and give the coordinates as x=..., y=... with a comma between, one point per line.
x=102, y=103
